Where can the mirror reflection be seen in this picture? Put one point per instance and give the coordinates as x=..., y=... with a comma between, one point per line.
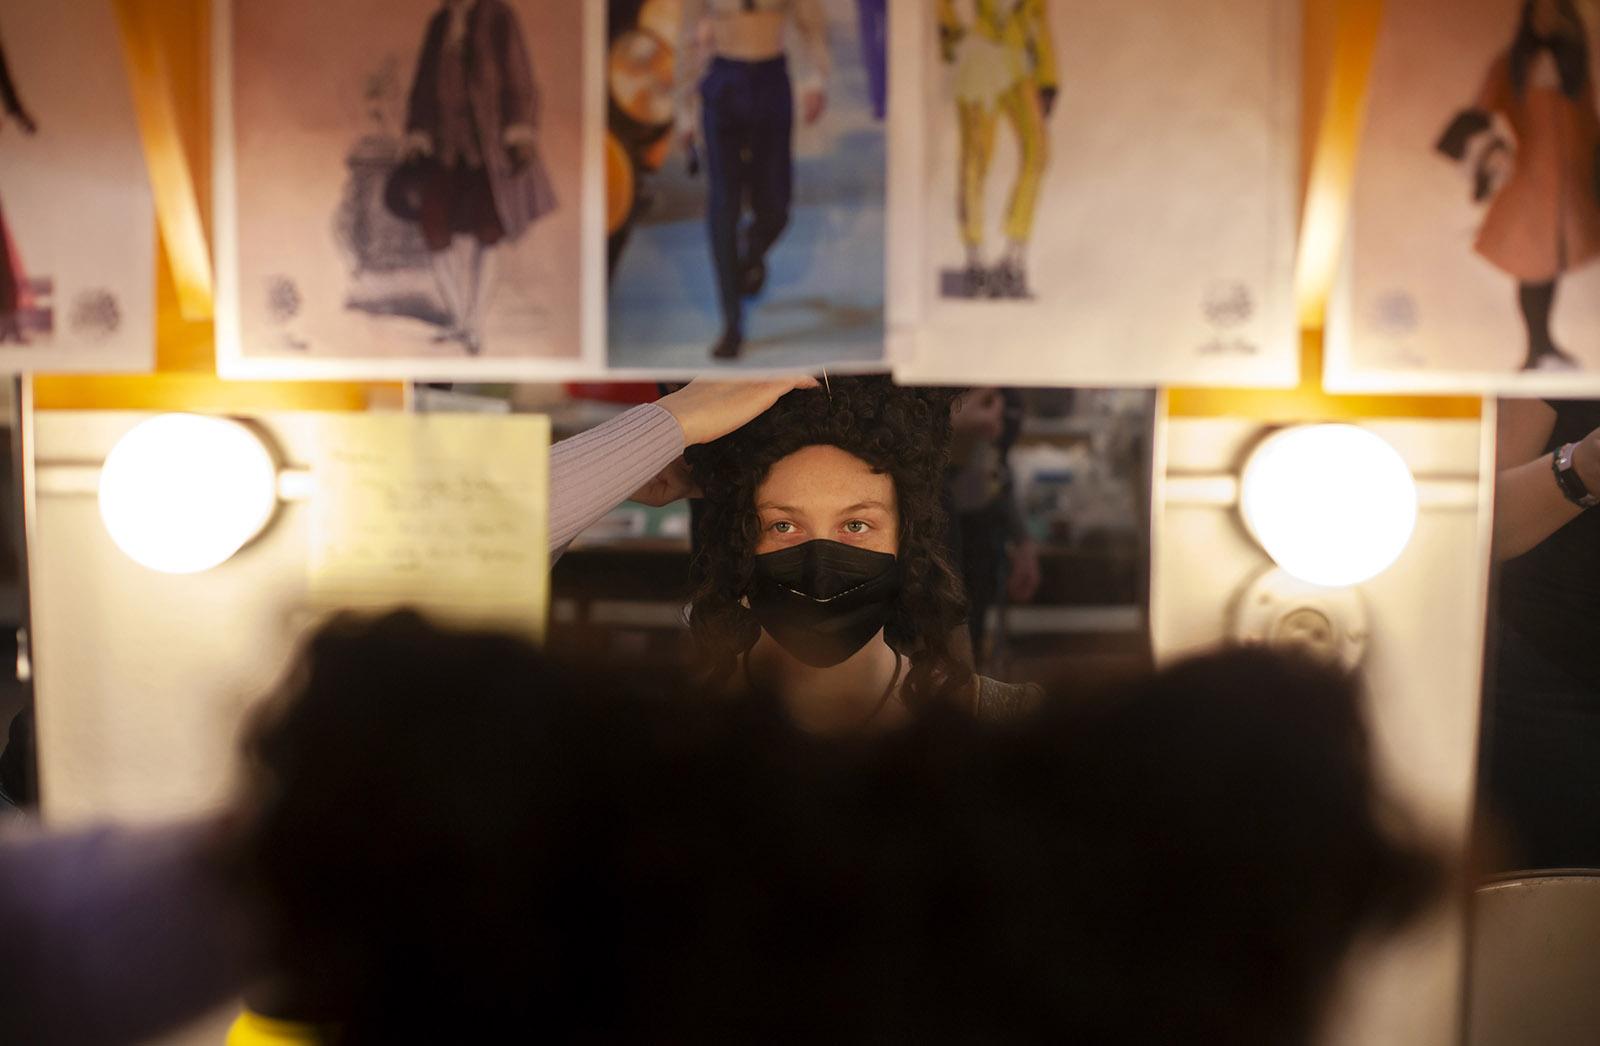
x=1038, y=519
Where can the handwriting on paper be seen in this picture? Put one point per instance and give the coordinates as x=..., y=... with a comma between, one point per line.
x=447, y=513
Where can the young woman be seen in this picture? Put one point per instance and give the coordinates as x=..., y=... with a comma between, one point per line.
x=746, y=120
x=1545, y=221
x=821, y=573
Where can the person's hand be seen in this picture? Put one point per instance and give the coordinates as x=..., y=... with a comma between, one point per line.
x=1586, y=460
x=708, y=410
x=1023, y=583
x=813, y=102
x=673, y=483
x=980, y=413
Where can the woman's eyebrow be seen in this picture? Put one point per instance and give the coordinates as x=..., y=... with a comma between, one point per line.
x=860, y=505
x=768, y=506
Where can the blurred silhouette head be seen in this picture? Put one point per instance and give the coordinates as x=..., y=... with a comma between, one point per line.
x=457, y=838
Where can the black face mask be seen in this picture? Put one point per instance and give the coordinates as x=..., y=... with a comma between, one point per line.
x=822, y=601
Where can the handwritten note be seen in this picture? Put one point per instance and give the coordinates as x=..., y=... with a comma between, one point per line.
x=444, y=513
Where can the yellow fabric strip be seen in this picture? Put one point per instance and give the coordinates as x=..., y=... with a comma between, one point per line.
x=252, y=1029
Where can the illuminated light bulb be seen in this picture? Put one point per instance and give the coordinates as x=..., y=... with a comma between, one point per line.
x=181, y=493
x=1332, y=505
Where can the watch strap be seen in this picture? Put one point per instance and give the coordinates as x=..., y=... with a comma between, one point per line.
x=1572, y=486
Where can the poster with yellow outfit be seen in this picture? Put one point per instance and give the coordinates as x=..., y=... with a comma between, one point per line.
x=1094, y=194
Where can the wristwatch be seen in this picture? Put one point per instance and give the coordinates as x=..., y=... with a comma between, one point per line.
x=1567, y=478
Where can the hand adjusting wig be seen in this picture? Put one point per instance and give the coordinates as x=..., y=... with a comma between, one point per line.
x=903, y=432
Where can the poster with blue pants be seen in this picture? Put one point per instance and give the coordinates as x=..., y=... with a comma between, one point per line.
x=754, y=235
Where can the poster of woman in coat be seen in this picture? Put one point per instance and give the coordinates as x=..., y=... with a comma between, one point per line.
x=402, y=188
x=1097, y=194
x=748, y=166
x=1476, y=213
x=77, y=269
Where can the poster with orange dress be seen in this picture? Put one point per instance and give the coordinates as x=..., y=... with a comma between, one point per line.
x=1475, y=219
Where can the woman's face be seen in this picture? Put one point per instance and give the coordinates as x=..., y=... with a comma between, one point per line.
x=824, y=492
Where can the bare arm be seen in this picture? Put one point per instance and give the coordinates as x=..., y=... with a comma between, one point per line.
x=1528, y=506
x=812, y=23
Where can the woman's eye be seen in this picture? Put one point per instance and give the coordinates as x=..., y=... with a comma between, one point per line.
x=783, y=527
x=857, y=526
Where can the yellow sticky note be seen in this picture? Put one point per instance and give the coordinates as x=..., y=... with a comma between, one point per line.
x=447, y=513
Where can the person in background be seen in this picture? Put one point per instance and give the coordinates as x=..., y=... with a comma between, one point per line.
x=990, y=542
x=822, y=571
x=1541, y=752
x=743, y=114
x=519, y=849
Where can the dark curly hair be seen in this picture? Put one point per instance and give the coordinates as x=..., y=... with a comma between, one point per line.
x=904, y=432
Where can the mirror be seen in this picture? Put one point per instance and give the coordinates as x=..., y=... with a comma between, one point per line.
x=1048, y=496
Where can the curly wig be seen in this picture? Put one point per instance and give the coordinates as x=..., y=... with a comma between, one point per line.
x=904, y=432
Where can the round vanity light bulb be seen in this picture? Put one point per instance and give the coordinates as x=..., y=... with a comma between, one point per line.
x=181, y=493
x=1332, y=505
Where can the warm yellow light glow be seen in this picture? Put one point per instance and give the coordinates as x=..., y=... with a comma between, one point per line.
x=181, y=493
x=1331, y=504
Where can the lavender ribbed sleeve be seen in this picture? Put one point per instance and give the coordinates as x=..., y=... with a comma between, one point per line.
x=595, y=471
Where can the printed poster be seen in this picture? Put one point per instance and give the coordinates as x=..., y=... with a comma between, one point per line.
x=1475, y=222
x=1095, y=194
x=747, y=161
x=77, y=263
x=408, y=188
